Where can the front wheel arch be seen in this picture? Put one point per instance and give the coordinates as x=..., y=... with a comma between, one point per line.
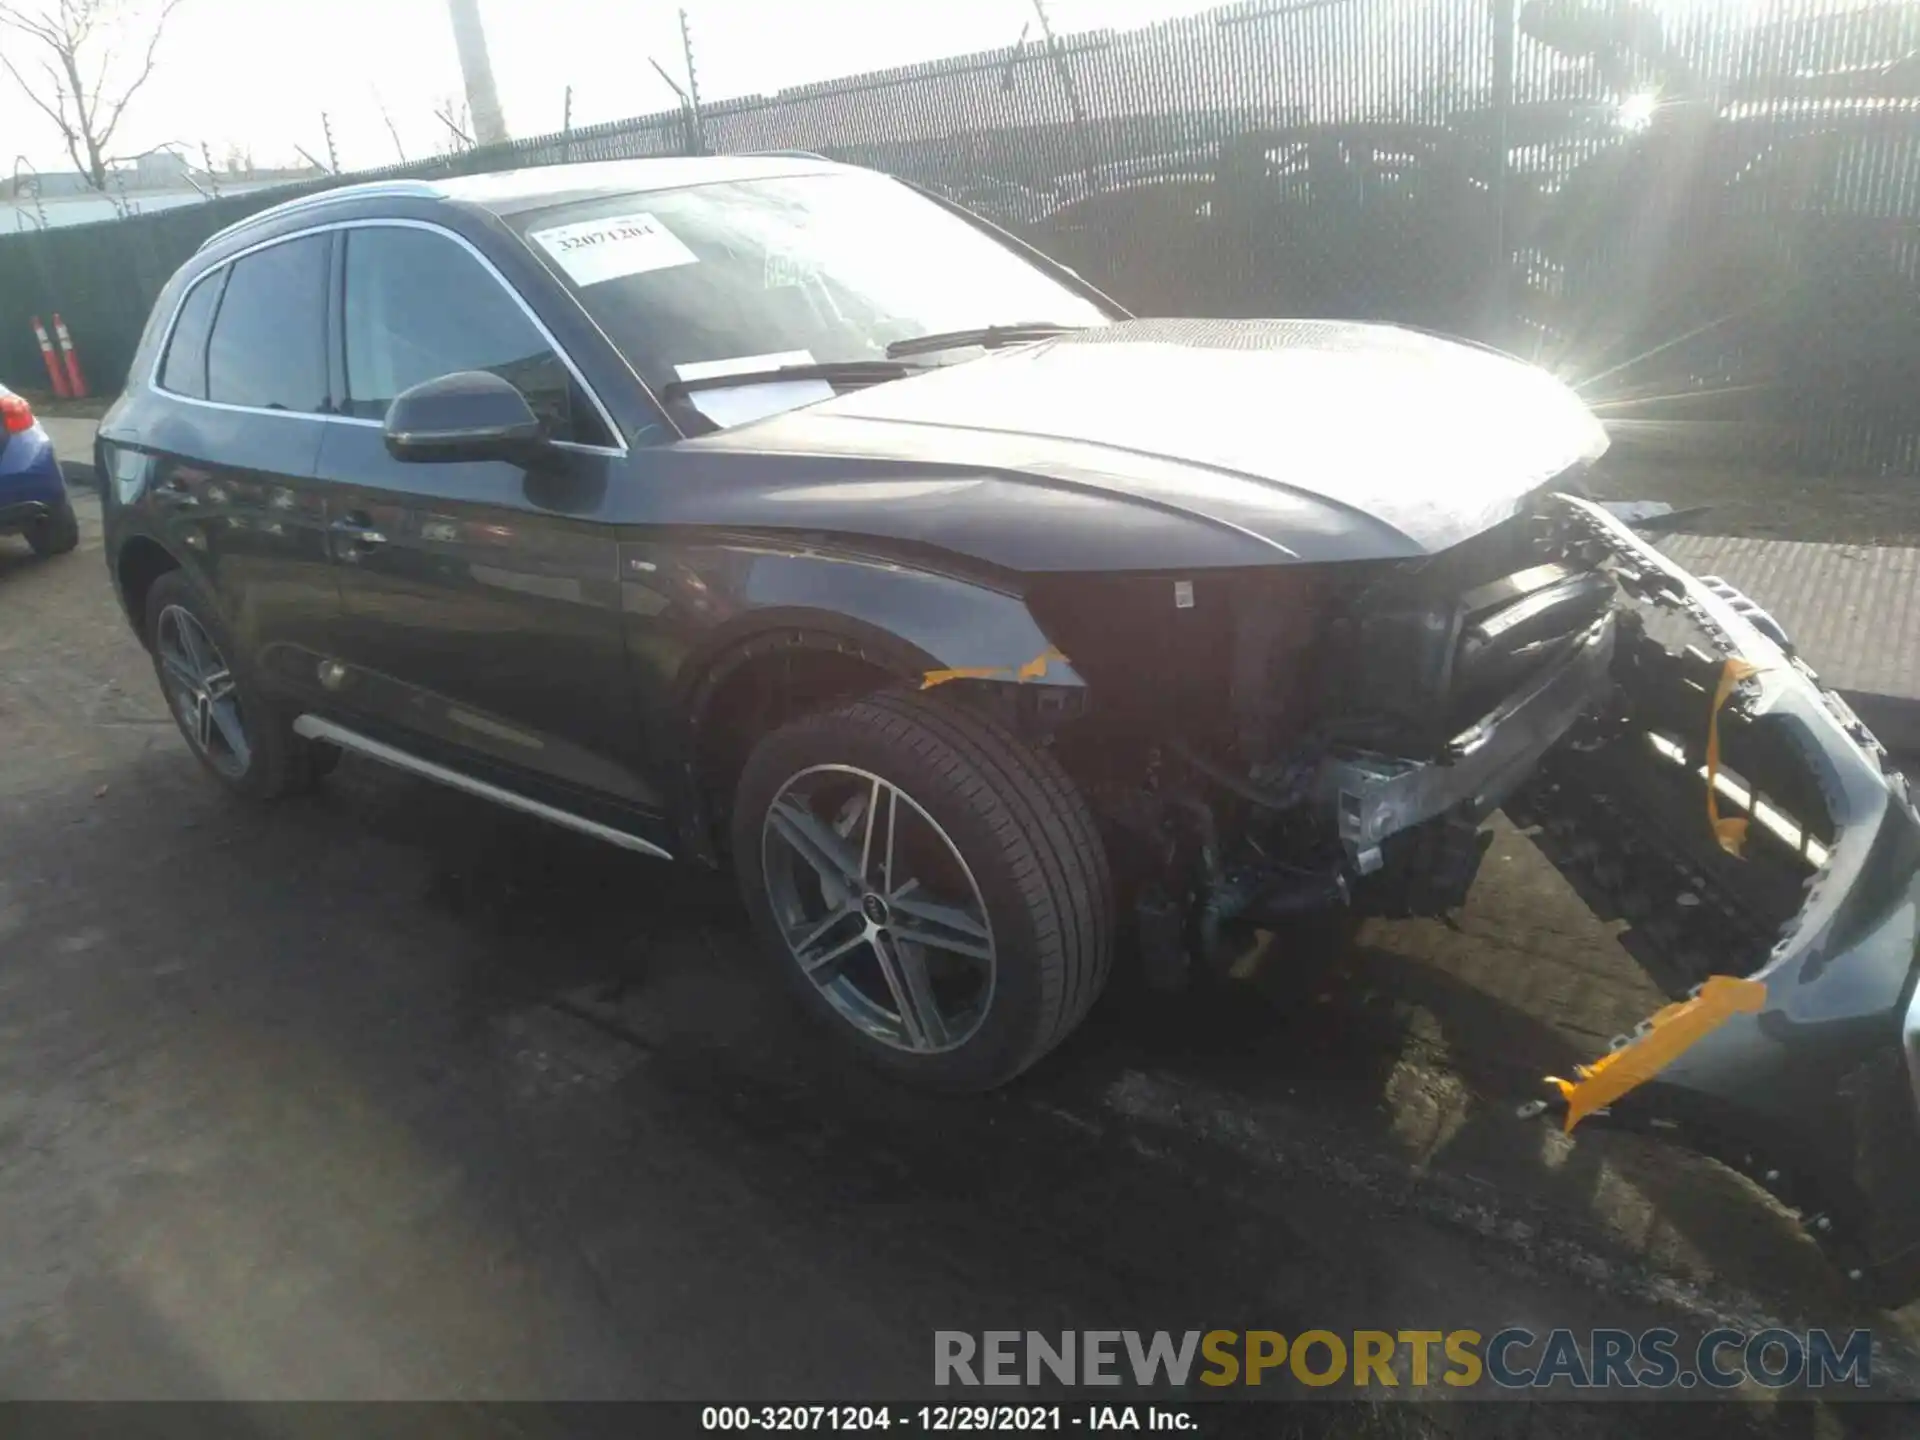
x=759, y=685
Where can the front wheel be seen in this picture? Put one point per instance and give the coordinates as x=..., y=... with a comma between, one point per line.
x=932, y=888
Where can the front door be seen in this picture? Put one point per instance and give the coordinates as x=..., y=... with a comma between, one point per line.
x=481, y=601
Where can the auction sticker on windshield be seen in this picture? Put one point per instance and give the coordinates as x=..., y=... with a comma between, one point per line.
x=591, y=251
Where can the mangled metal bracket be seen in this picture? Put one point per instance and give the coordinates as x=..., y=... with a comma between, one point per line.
x=1376, y=797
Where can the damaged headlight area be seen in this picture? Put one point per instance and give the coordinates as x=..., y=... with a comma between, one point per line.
x=1329, y=739
x=1263, y=744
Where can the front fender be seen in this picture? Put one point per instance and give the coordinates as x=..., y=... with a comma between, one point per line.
x=916, y=623
x=694, y=614
x=939, y=624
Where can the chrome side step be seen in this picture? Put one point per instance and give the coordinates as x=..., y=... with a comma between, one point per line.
x=312, y=727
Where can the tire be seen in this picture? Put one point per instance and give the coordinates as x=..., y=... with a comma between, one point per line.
x=1015, y=829
x=57, y=534
x=275, y=761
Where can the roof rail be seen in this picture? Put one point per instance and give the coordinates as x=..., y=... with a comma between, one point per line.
x=786, y=155
x=391, y=189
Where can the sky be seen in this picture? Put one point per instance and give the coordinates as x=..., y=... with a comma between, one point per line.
x=259, y=74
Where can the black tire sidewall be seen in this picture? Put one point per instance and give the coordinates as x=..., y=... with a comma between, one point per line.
x=1015, y=1014
x=268, y=740
x=57, y=534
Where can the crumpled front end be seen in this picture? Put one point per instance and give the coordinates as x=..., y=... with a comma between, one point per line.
x=1310, y=739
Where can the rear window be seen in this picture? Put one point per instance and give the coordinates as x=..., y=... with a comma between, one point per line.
x=268, y=349
x=184, y=371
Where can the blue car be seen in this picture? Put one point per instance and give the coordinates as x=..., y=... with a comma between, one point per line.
x=33, y=497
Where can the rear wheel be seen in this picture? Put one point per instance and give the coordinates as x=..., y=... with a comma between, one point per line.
x=932, y=888
x=57, y=534
x=228, y=722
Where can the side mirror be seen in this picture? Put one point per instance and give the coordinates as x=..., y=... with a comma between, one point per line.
x=472, y=415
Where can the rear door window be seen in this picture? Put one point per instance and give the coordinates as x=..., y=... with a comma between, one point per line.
x=419, y=306
x=268, y=349
x=184, y=371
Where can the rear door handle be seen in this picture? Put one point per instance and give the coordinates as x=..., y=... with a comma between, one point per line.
x=356, y=528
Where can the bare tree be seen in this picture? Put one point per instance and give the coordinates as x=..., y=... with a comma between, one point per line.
x=88, y=78
x=456, y=116
x=392, y=129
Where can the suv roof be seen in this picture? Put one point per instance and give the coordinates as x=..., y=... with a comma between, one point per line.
x=507, y=192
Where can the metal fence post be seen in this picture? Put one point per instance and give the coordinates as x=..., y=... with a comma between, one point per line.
x=1505, y=32
x=1075, y=111
x=697, y=135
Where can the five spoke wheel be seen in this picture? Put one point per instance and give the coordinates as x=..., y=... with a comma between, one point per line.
x=878, y=908
x=200, y=687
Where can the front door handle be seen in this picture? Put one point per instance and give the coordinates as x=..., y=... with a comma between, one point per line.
x=356, y=528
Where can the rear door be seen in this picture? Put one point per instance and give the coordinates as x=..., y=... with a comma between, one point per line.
x=233, y=484
x=481, y=619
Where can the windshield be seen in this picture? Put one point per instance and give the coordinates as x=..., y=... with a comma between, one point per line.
x=804, y=269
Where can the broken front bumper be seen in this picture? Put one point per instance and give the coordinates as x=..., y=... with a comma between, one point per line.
x=1803, y=1071
x=1378, y=797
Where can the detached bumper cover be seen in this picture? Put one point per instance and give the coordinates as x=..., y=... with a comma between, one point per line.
x=1814, y=1090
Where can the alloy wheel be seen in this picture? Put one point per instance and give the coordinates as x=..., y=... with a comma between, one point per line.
x=201, y=688
x=878, y=908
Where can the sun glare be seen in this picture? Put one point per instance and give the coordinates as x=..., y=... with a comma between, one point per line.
x=1636, y=111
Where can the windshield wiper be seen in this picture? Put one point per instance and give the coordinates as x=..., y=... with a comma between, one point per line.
x=991, y=337
x=834, y=372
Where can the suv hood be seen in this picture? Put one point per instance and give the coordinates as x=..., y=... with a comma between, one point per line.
x=1310, y=440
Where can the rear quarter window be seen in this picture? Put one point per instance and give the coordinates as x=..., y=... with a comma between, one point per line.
x=184, y=371
x=268, y=350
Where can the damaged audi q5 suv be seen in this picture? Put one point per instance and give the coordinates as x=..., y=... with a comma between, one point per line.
x=766, y=512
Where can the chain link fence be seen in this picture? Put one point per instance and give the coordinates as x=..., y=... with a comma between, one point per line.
x=1706, y=215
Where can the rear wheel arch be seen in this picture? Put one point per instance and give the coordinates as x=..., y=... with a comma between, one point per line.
x=141, y=561
x=209, y=686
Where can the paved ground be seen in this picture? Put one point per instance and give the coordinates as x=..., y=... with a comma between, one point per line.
x=388, y=1093
x=72, y=437
x=1730, y=497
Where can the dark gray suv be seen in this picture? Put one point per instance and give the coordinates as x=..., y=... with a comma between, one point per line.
x=766, y=511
